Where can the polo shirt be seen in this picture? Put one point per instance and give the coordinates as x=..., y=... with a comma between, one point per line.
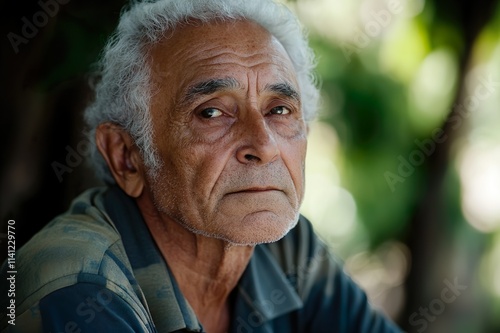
x=96, y=268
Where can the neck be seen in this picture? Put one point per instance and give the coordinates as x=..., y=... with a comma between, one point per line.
x=206, y=269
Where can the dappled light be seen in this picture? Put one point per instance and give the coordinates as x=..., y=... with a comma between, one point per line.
x=403, y=171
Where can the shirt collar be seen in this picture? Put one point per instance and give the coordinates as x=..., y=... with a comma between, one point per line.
x=263, y=288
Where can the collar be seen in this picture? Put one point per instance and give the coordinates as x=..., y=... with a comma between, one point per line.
x=263, y=288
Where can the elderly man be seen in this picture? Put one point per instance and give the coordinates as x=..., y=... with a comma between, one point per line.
x=199, y=124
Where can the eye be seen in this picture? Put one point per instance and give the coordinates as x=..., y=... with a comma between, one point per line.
x=280, y=110
x=211, y=113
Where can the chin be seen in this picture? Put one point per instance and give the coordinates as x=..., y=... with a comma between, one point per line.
x=258, y=228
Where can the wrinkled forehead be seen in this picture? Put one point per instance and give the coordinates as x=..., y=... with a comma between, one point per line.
x=197, y=47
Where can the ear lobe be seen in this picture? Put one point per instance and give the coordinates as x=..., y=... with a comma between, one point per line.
x=122, y=156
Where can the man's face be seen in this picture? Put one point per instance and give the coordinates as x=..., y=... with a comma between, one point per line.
x=229, y=129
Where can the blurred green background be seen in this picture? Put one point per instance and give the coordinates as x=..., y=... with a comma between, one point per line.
x=403, y=168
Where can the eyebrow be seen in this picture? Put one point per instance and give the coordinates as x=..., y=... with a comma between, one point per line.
x=209, y=87
x=283, y=89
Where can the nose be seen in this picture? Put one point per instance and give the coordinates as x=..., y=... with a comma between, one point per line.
x=258, y=144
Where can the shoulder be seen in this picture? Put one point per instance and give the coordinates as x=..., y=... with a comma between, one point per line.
x=82, y=233
x=80, y=246
x=333, y=302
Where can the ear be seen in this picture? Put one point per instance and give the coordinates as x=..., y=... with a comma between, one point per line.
x=122, y=156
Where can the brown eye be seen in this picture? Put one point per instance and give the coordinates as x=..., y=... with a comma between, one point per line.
x=211, y=113
x=280, y=110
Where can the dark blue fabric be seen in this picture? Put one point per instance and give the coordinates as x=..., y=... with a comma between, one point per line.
x=347, y=311
x=87, y=307
x=138, y=242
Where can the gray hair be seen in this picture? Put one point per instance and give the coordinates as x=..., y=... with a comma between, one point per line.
x=123, y=94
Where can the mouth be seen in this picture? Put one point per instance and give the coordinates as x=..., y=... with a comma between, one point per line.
x=256, y=190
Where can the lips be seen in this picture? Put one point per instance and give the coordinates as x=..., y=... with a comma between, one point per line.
x=256, y=189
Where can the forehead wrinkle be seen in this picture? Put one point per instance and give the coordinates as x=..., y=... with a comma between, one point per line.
x=239, y=59
x=212, y=53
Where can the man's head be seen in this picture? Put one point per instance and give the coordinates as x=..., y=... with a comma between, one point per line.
x=203, y=105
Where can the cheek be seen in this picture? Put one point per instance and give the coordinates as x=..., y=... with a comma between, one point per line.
x=197, y=167
x=293, y=154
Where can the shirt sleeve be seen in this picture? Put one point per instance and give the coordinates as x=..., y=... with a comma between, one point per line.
x=87, y=307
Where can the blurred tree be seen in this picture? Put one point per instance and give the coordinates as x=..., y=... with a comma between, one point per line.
x=455, y=25
x=370, y=113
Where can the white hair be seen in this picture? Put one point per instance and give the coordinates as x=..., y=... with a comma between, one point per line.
x=123, y=94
